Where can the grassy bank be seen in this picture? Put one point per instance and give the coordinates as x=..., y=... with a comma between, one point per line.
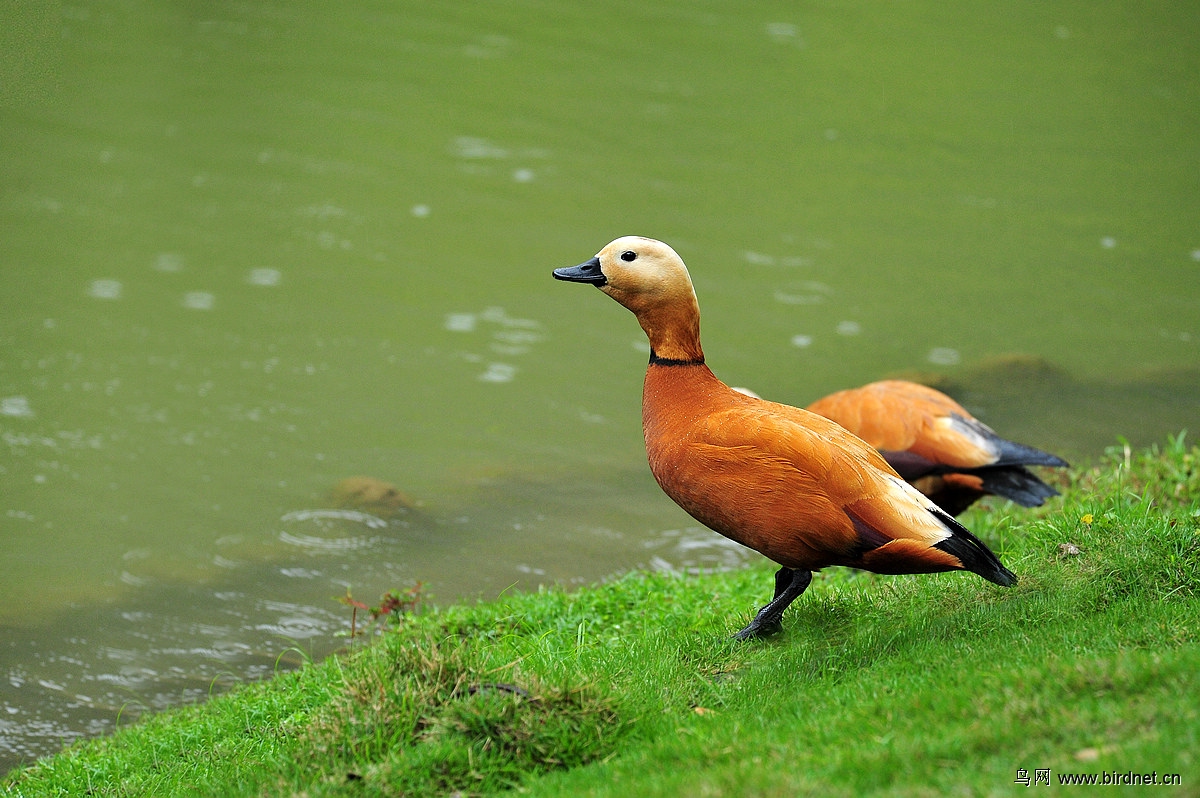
x=921, y=685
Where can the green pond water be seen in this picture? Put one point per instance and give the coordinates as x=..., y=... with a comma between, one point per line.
x=250, y=249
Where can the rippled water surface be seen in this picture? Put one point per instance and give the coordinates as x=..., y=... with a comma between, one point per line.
x=253, y=249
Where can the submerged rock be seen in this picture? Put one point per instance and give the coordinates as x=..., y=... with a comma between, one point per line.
x=373, y=496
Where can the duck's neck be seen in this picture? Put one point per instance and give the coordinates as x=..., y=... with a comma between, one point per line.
x=674, y=334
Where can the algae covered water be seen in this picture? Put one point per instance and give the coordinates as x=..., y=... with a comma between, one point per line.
x=252, y=250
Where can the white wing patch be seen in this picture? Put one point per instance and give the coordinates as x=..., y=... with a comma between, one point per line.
x=915, y=508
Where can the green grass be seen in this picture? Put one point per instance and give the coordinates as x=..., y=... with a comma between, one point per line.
x=923, y=685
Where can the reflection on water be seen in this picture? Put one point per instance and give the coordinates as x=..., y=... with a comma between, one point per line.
x=105, y=289
x=693, y=550
x=15, y=406
x=253, y=250
x=507, y=337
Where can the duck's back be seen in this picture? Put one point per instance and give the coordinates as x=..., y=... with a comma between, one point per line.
x=901, y=416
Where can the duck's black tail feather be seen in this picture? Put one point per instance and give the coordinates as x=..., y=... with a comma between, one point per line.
x=1015, y=483
x=972, y=552
x=1019, y=454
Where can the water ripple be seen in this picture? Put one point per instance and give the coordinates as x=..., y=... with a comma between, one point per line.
x=325, y=526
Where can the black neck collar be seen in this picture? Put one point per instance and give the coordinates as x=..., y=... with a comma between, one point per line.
x=655, y=360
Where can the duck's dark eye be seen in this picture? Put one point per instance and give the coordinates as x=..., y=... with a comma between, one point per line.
x=628, y=255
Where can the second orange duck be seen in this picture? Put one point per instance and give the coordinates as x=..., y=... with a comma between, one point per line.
x=788, y=483
x=934, y=443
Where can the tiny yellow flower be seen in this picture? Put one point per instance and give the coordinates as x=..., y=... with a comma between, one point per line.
x=1087, y=518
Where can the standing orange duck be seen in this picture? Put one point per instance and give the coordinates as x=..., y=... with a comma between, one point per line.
x=785, y=482
x=935, y=444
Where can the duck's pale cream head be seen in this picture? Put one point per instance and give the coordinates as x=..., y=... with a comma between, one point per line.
x=649, y=278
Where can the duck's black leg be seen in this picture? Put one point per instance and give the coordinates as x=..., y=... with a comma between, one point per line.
x=789, y=584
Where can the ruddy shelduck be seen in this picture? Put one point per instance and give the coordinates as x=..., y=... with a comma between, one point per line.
x=788, y=483
x=936, y=445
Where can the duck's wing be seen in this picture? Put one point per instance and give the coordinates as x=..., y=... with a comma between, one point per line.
x=839, y=495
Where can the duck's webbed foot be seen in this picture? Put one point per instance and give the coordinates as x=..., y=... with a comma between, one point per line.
x=789, y=584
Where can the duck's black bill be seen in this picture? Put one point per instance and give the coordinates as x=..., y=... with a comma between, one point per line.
x=583, y=273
